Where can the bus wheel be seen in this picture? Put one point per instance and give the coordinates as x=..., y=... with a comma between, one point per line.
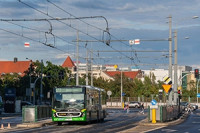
x=59, y=123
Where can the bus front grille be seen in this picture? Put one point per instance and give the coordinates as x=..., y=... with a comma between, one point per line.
x=68, y=114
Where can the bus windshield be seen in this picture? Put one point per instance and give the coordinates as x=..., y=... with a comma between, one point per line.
x=68, y=100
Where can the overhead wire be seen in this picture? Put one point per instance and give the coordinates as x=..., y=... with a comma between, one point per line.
x=59, y=20
x=92, y=26
x=40, y=31
x=131, y=58
x=29, y=39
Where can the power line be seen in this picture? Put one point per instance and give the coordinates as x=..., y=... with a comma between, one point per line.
x=10, y=21
x=58, y=20
x=107, y=29
x=30, y=39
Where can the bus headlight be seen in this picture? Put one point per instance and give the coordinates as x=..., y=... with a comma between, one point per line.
x=82, y=114
x=54, y=114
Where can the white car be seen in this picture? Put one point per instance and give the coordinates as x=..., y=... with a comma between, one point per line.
x=194, y=106
x=134, y=104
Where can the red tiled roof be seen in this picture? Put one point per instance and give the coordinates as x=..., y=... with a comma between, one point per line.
x=129, y=74
x=11, y=67
x=68, y=63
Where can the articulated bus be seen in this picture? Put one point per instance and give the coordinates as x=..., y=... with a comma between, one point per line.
x=78, y=104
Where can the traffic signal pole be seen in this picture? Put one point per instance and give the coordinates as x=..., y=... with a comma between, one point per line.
x=197, y=90
x=175, y=69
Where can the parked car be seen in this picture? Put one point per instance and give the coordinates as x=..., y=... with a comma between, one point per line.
x=24, y=103
x=194, y=106
x=134, y=104
x=183, y=105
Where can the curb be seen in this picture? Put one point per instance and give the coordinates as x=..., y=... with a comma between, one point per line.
x=175, y=122
x=36, y=124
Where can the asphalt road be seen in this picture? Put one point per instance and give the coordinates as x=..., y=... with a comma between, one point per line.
x=117, y=120
x=191, y=125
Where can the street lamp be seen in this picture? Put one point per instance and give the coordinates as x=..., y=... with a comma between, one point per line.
x=30, y=66
x=175, y=59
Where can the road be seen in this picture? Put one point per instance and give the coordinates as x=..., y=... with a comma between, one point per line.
x=117, y=120
x=12, y=119
x=191, y=125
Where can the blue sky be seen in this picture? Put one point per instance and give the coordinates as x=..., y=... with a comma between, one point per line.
x=127, y=20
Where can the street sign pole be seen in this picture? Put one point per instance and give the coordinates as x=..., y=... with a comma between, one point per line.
x=197, y=90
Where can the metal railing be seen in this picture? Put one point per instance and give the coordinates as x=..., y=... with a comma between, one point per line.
x=35, y=113
x=166, y=113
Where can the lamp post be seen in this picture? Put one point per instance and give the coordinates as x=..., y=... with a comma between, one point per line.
x=30, y=65
x=175, y=69
x=170, y=56
x=41, y=91
x=197, y=90
x=121, y=89
x=175, y=60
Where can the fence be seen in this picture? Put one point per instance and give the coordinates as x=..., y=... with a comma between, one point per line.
x=165, y=113
x=35, y=113
x=116, y=101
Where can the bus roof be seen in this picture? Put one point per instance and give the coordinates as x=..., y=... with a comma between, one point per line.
x=87, y=86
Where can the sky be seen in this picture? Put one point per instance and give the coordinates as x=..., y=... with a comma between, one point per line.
x=50, y=28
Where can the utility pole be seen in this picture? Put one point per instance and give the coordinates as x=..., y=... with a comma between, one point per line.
x=77, y=64
x=170, y=57
x=87, y=68
x=175, y=68
x=30, y=80
x=41, y=91
x=91, y=68
x=121, y=89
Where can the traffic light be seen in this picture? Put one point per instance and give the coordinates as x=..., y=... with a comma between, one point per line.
x=160, y=94
x=179, y=94
x=196, y=73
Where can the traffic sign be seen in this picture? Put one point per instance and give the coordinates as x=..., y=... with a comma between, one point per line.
x=123, y=94
x=167, y=80
x=109, y=93
x=153, y=102
x=131, y=42
x=166, y=87
x=153, y=106
x=136, y=42
x=198, y=95
x=115, y=66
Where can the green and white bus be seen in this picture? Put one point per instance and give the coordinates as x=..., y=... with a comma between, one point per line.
x=78, y=104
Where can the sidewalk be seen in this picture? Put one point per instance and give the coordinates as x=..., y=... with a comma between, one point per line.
x=40, y=123
x=142, y=126
x=145, y=126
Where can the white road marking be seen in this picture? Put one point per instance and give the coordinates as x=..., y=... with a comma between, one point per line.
x=168, y=130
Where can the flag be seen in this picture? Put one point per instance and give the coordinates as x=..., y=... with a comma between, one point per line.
x=26, y=44
x=137, y=41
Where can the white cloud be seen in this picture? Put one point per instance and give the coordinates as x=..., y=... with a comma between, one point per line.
x=61, y=56
x=3, y=59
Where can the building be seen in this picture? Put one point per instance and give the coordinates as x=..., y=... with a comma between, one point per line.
x=107, y=72
x=11, y=67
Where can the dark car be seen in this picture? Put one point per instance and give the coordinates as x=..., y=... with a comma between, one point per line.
x=25, y=103
x=183, y=105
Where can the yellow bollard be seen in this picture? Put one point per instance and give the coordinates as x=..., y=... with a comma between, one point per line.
x=122, y=104
x=153, y=115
